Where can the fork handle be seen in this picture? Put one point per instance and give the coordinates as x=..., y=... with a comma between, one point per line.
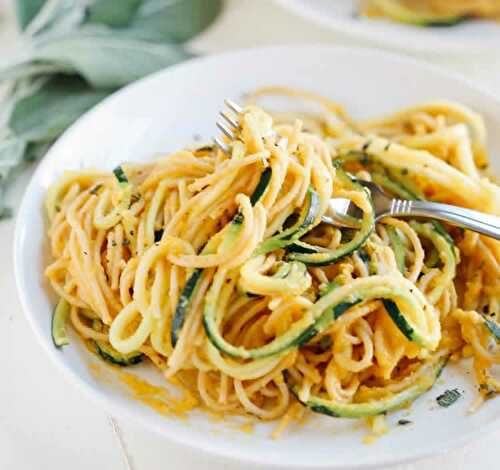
x=485, y=224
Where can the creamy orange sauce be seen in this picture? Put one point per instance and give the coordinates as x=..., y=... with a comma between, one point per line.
x=247, y=428
x=377, y=426
x=95, y=369
x=370, y=439
x=158, y=398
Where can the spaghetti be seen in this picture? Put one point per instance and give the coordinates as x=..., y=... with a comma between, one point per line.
x=217, y=268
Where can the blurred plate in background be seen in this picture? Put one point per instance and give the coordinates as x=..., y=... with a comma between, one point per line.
x=473, y=36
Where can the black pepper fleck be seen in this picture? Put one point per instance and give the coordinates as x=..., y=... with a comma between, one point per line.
x=404, y=422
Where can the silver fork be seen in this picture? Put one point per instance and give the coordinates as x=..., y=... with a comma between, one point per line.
x=343, y=213
x=229, y=125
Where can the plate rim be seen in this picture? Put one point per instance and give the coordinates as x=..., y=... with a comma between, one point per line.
x=431, y=45
x=117, y=409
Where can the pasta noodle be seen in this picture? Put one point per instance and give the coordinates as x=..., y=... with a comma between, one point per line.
x=431, y=12
x=217, y=268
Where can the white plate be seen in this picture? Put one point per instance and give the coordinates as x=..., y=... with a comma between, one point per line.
x=164, y=112
x=341, y=15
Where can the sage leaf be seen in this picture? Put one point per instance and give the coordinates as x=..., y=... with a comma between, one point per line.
x=35, y=150
x=46, y=113
x=117, y=14
x=11, y=156
x=31, y=68
x=106, y=60
x=77, y=52
x=56, y=17
x=26, y=10
x=173, y=20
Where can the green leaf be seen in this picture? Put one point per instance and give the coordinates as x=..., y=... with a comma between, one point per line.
x=11, y=157
x=26, y=10
x=45, y=114
x=56, y=17
x=31, y=68
x=36, y=150
x=106, y=60
x=11, y=154
x=173, y=20
x=114, y=13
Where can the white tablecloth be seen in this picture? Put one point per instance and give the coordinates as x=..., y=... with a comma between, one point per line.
x=46, y=423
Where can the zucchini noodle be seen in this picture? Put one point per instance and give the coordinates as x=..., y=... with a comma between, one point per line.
x=217, y=269
x=431, y=12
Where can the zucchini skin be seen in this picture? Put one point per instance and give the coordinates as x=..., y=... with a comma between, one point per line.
x=183, y=304
x=493, y=328
x=324, y=312
x=261, y=187
x=397, y=247
x=307, y=220
x=290, y=279
x=398, y=318
x=399, y=13
x=445, y=22
x=446, y=253
x=58, y=323
x=375, y=407
x=182, y=307
x=313, y=256
x=397, y=184
x=111, y=355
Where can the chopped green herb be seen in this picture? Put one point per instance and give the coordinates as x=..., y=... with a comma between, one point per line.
x=493, y=328
x=365, y=257
x=97, y=325
x=205, y=148
x=158, y=235
x=366, y=145
x=58, y=208
x=324, y=344
x=94, y=190
x=388, y=146
x=133, y=199
x=328, y=288
x=404, y=171
x=120, y=175
x=113, y=243
x=449, y=397
x=489, y=391
x=404, y=422
x=126, y=242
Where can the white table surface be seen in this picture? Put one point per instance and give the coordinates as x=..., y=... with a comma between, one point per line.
x=47, y=423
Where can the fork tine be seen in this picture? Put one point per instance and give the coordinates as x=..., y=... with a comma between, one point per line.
x=224, y=147
x=233, y=106
x=233, y=122
x=226, y=130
